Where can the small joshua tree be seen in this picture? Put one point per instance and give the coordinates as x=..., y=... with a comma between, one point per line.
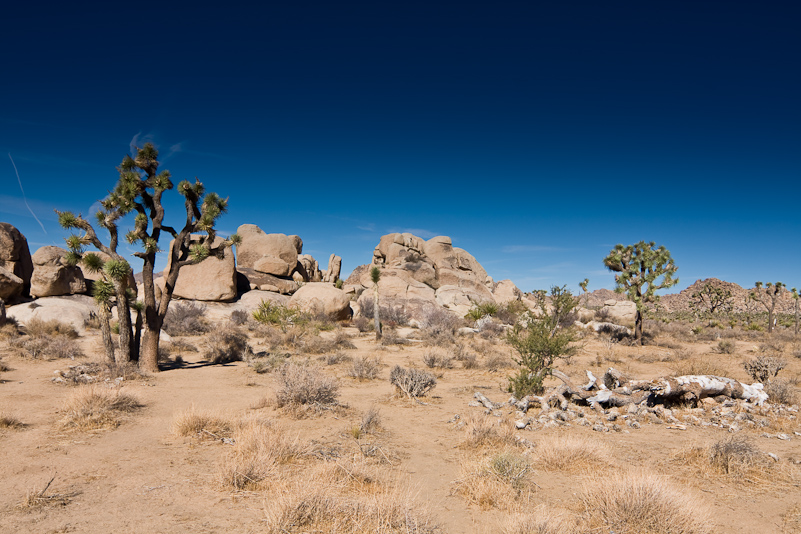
x=139, y=191
x=769, y=295
x=639, y=268
x=795, y=305
x=583, y=285
x=375, y=276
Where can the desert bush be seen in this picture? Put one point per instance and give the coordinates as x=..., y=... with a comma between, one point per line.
x=224, y=346
x=641, y=503
x=9, y=330
x=436, y=360
x=469, y=361
x=239, y=317
x=438, y=326
x=186, y=319
x=279, y=315
x=393, y=316
x=729, y=453
x=365, y=368
x=511, y=312
x=39, y=328
x=497, y=361
x=336, y=357
x=726, y=346
x=781, y=392
x=94, y=407
x=363, y=324
x=763, y=368
x=390, y=336
x=489, y=328
x=543, y=520
x=303, y=385
x=482, y=309
x=266, y=362
x=371, y=421
x=202, y=424
x=412, y=382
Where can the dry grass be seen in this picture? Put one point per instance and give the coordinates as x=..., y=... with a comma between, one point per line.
x=639, y=503
x=313, y=504
x=782, y=392
x=571, y=453
x=94, y=407
x=259, y=448
x=486, y=431
x=698, y=367
x=437, y=360
x=202, y=424
x=543, y=520
x=40, y=328
x=500, y=479
x=735, y=458
x=224, y=346
x=10, y=421
x=40, y=498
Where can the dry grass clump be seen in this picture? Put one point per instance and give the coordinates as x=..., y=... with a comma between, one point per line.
x=39, y=328
x=412, y=382
x=202, y=424
x=735, y=457
x=727, y=346
x=782, y=392
x=266, y=362
x=315, y=505
x=259, y=448
x=501, y=479
x=9, y=330
x=438, y=326
x=224, y=346
x=698, y=367
x=543, y=520
x=40, y=498
x=94, y=407
x=497, y=362
x=365, y=368
x=301, y=385
x=10, y=421
x=437, y=360
x=390, y=336
x=571, y=453
x=484, y=431
x=639, y=503
x=40, y=345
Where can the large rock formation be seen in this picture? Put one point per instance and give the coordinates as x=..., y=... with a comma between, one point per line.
x=213, y=279
x=52, y=276
x=334, y=269
x=16, y=265
x=275, y=254
x=74, y=309
x=321, y=297
x=418, y=273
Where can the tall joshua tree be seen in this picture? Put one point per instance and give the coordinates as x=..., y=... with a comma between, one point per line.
x=641, y=269
x=375, y=276
x=139, y=191
x=769, y=295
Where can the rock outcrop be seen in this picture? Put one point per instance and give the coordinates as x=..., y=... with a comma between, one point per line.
x=321, y=297
x=75, y=310
x=331, y=274
x=275, y=254
x=213, y=279
x=417, y=274
x=16, y=265
x=52, y=276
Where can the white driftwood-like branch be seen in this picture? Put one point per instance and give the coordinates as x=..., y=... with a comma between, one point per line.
x=700, y=386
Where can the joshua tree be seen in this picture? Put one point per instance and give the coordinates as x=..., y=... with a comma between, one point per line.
x=139, y=190
x=712, y=299
x=769, y=296
x=795, y=300
x=639, y=268
x=583, y=285
x=375, y=276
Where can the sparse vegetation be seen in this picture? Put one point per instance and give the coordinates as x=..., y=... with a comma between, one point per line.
x=95, y=407
x=365, y=368
x=763, y=368
x=412, y=382
x=437, y=360
x=186, y=319
x=223, y=346
x=301, y=385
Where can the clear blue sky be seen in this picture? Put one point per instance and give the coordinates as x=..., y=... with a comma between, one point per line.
x=535, y=134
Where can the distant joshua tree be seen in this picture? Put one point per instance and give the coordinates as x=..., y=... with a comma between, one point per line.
x=639, y=268
x=711, y=299
x=769, y=296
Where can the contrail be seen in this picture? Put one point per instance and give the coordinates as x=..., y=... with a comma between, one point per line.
x=23, y=194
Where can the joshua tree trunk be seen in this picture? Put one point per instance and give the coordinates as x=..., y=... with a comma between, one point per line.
x=124, y=317
x=105, y=328
x=137, y=339
x=376, y=314
x=638, y=327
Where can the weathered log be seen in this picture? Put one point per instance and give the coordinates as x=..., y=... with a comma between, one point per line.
x=485, y=401
x=614, y=378
x=619, y=398
x=700, y=386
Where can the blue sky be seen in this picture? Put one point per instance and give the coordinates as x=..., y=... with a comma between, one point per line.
x=536, y=134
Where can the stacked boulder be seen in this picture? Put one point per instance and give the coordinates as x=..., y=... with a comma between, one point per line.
x=16, y=265
x=419, y=274
x=53, y=276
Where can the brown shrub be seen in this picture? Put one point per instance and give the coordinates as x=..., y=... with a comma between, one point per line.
x=94, y=407
x=304, y=385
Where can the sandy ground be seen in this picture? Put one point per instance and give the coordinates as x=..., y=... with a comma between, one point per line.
x=140, y=477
